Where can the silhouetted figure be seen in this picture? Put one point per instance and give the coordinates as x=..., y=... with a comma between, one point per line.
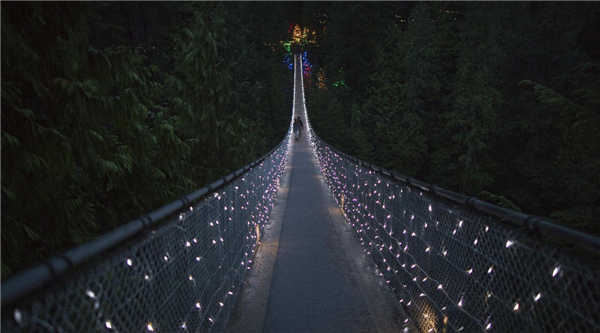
x=296, y=128
x=301, y=127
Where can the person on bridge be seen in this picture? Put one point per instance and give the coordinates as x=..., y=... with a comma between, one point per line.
x=301, y=126
x=296, y=128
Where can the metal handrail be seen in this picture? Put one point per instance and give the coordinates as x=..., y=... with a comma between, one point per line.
x=534, y=224
x=32, y=279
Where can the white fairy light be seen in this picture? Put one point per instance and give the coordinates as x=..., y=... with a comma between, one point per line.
x=18, y=316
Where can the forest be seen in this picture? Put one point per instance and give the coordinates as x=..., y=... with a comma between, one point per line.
x=495, y=100
x=113, y=109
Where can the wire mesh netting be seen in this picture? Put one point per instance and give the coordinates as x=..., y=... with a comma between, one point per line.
x=454, y=269
x=182, y=276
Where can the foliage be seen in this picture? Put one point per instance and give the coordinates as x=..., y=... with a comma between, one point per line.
x=499, y=99
x=110, y=110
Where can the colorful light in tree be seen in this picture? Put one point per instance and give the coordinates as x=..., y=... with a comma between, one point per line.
x=321, y=79
x=306, y=71
x=297, y=35
x=341, y=82
x=288, y=62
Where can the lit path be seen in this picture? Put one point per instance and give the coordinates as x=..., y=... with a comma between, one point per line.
x=310, y=273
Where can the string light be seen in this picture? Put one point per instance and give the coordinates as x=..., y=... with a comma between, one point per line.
x=374, y=208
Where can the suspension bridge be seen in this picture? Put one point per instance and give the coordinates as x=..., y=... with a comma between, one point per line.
x=309, y=239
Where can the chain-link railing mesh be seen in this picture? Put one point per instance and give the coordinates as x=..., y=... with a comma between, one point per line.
x=457, y=270
x=180, y=277
x=454, y=269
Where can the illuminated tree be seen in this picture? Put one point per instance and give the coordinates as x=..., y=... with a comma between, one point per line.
x=297, y=35
x=321, y=79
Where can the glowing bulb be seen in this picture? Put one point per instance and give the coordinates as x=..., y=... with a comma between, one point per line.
x=150, y=328
x=556, y=270
x=490, y=270
x=509, y=243
x=108, y=325
x=129, y=263
x=537, y=297
x=516, y=308
x=18, y=316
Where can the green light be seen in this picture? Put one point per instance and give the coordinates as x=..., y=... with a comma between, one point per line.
x=340, y=83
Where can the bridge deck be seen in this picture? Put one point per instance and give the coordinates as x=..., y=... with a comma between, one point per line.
x=310, y=273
